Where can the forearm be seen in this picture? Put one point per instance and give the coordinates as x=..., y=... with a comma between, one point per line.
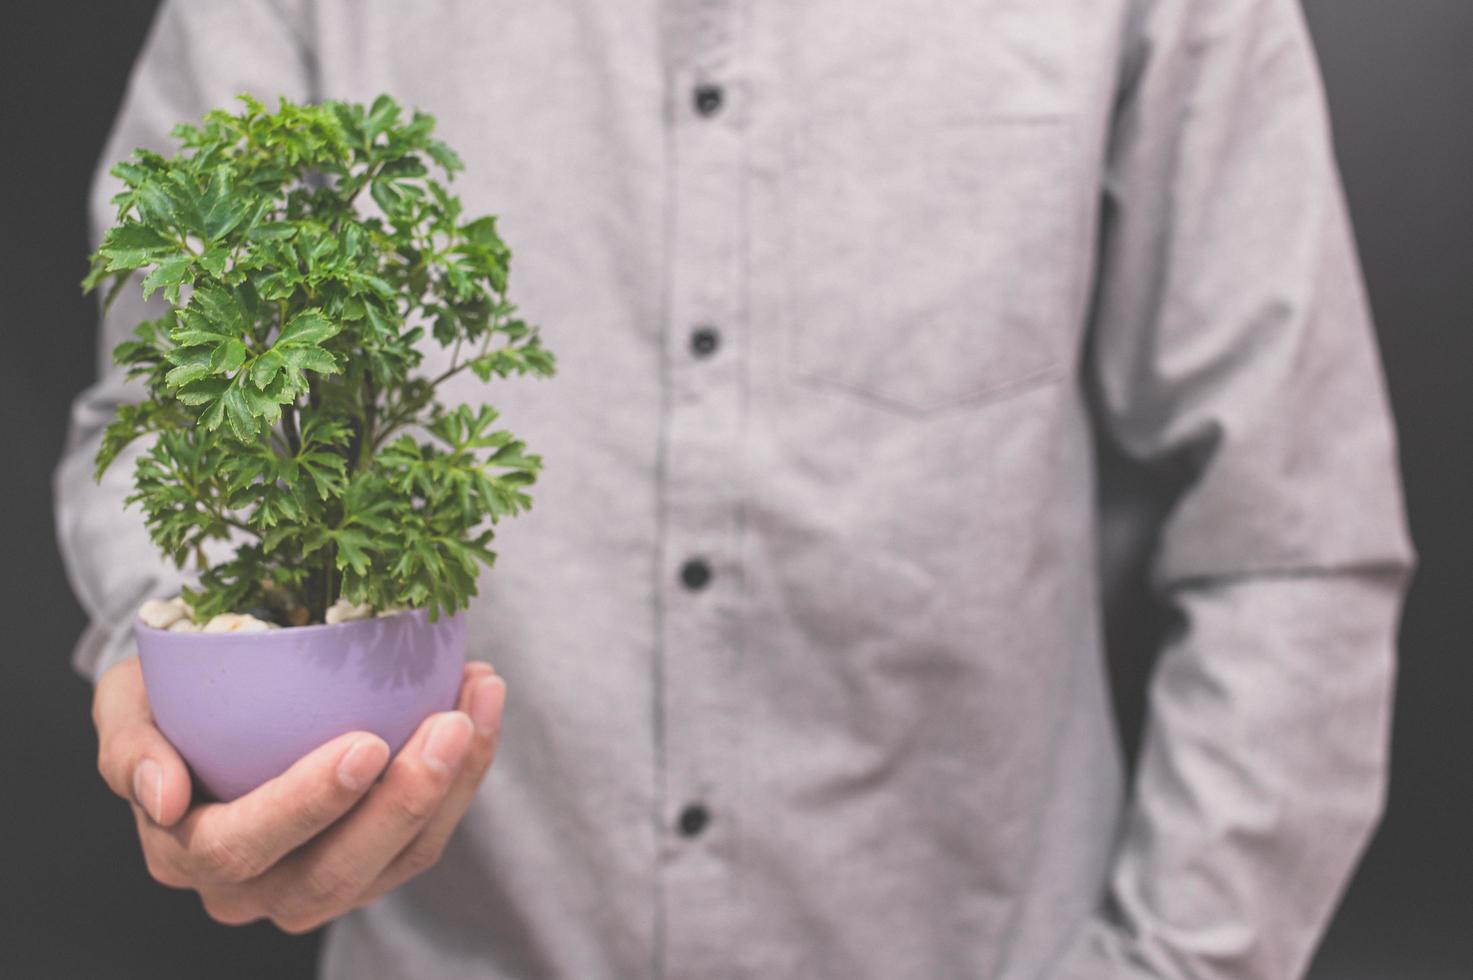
x=1233, y=349
x=110, y=561
x=1262, y=774
x=198, y=55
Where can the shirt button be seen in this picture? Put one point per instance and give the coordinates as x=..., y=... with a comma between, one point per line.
x=693, y=820
x=695, y=574
x=708, y=99
x=704, y=341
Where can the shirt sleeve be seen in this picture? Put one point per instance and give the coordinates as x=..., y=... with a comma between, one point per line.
x=198, y=56
x=1232, y=350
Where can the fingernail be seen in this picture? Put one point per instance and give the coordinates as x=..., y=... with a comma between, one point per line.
x=449, y=738
x=362, y=763
x=487, y=698
x=148, y=788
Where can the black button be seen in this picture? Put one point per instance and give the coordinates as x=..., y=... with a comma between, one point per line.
x=695, y=574
x=708, y=99
x=693, y=820
x=704, y=341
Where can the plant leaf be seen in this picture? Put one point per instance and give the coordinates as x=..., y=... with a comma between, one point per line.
x=169, y=274
x=307, y=328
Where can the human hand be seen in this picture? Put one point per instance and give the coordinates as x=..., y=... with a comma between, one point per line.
x=318, y=840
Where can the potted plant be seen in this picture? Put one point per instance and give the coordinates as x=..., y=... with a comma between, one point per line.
x=290, y=420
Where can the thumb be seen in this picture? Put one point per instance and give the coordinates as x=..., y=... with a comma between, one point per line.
x=133, y=756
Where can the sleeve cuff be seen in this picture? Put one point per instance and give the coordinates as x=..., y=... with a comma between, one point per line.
x=99, y=648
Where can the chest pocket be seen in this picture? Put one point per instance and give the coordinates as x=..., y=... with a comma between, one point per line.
x=933, y=221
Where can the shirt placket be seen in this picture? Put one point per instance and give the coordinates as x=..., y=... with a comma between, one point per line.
x=704, y=354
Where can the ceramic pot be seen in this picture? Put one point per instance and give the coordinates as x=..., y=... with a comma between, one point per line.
x=242, y=707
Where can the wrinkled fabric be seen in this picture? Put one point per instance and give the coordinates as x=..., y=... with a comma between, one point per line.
x=952, y=251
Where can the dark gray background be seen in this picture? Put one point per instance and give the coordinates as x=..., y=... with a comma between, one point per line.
x=78, y=902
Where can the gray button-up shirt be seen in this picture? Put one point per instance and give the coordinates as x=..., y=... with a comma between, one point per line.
x=944, y=249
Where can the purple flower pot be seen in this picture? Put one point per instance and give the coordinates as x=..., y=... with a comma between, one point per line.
x=242, y=707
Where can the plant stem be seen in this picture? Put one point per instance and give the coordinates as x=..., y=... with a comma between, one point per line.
x=347, y=207
x=370, y=405
x=237, y=524
x=328, y=595
x=289, y=426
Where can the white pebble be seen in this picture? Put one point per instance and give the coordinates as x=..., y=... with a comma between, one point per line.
x=236, y=623
x=184, y=626
x=163, y=613
x=391, y=610
x=344, y=611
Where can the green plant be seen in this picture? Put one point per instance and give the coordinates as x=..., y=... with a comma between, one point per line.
x=281, y=380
